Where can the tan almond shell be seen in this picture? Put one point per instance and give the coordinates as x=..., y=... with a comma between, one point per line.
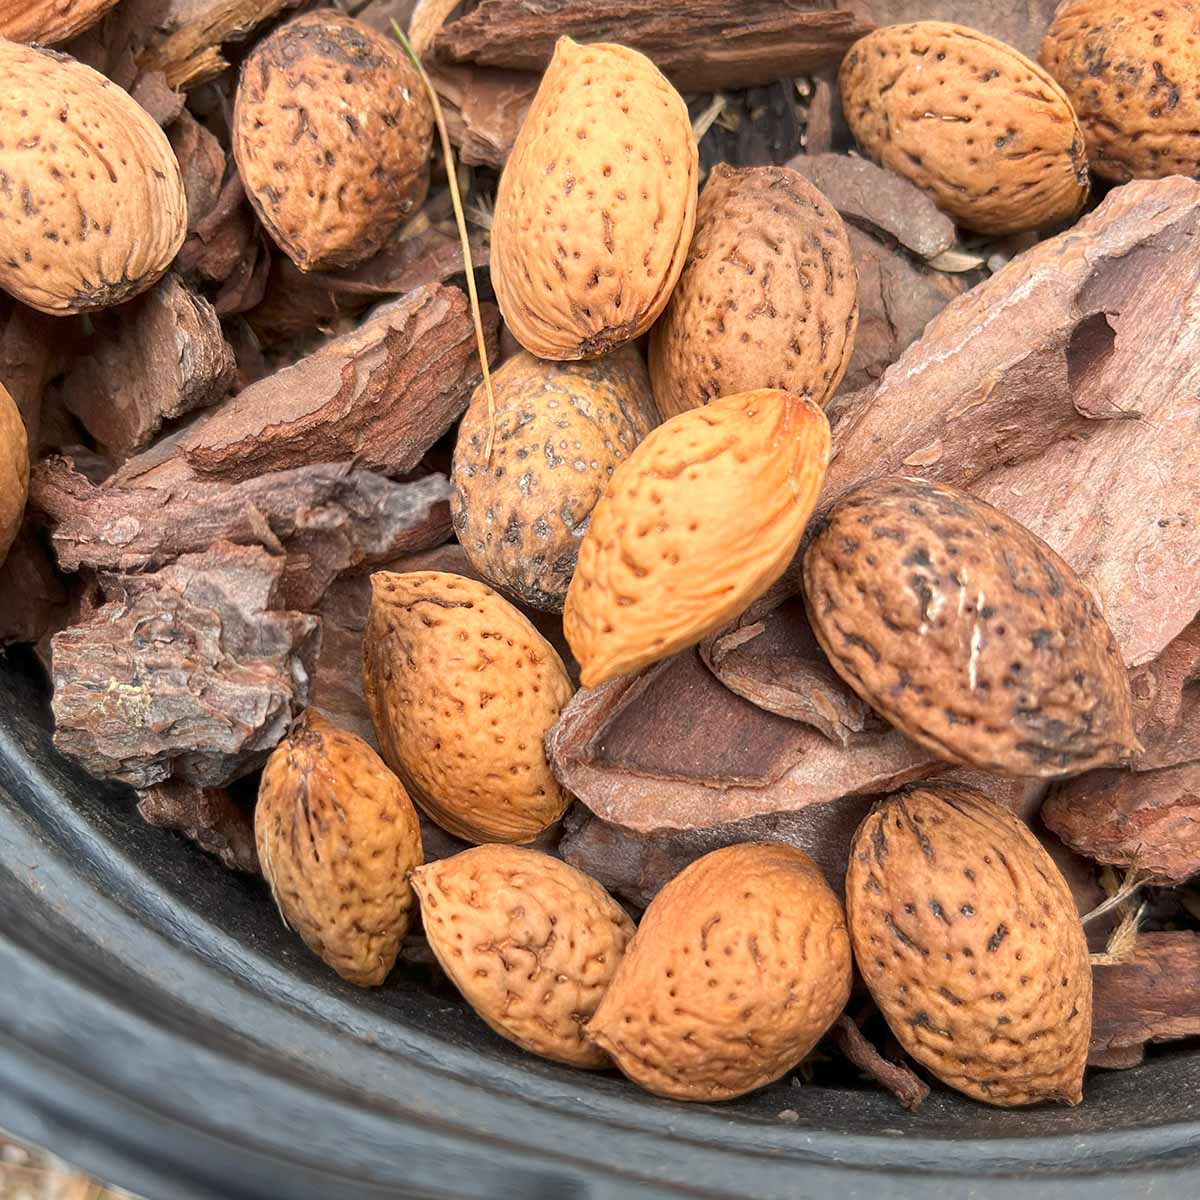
x=966, y=631
x=968, y=938
x=49, y=22
x=529, y=941
x=14, y=471
x=986, y=132
x=698, y=522
x=337, y=836
x=740, y=965
x=596, y=204
x=332, y=130
x=561, y=429
x=462, y=690
x=1132, y=73
x=92, y=207
x=768, y=296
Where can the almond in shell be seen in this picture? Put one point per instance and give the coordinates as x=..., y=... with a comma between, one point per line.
x=767, y=298
x=92, y=206
x=336, y=837
x=966, y=631
x=531, y=943
x=740, y=965
x=969, y=940
x=462, y=690
x=596, y=204
x=698, y=522
x=14, y=471
x=986, y=132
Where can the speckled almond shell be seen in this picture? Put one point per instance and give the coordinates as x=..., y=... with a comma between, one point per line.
x=462, y=690
x=596, y=204
x=49, y=22
x=561, y=430
x=768, y=296
x=966, y=631
x=1132, y=72
x=699, y=521
x=337, y=837
x=530, y=942
x=969, y=940
x=14, y=471
x=331, y=132
x=986, y=132
x=92, y=207
x=740, y=965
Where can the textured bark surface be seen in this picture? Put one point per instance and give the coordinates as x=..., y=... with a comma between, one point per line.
x=296, y=302
x=1149, y=820
x=1153, y=998
x=879, y=202
x=202, y=164
x=673, y=749
x=897, y=298
x=703, y=45
x=1166, y=703
x=484, y=109
x=151, y=361
x=192, y=53
x=770, y=657
x=1051, y=393
x=32, y=596
x=195, y=670
x=381, y=395
x=895, y=1077
x=320, y=520
x=210, y=817
x=31, y=344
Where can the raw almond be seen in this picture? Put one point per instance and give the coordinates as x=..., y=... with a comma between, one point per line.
x=14, y=471
x=739, y=966
x=969, y=940
x=92, y=207
x=698, y=522
x=49, y=22
x=531, y=943
x=987, y=133
x=966, y=631
x=561, y=429
x=331, y=131
x=1132, y=73
x=337, y=837
x=462, y=689
x=596, y=205
x=767, y=298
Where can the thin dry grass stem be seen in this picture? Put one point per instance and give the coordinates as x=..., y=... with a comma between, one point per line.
x=464, y=236
x=703, y=123
x=1122, y=942
x=1133, y=881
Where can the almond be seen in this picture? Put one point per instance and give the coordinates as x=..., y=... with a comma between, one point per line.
x=332, y=130
x=531, y=943
x=966, y=631
x=596, y=205
x=1132, y=73
x=767, y=298
x=561, y=430
x=462, y=689
x=987, y=133
x=337, y=837
x=14, y=471
x=968, y=938
x=49, y=22
x=92, y=207
x=740, y=965
x=698, y=522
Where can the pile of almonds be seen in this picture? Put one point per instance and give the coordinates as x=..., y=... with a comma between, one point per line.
x=689, y=674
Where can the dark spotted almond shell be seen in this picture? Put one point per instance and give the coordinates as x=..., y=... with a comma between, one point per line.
x=966, y=631
x=969, y=940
